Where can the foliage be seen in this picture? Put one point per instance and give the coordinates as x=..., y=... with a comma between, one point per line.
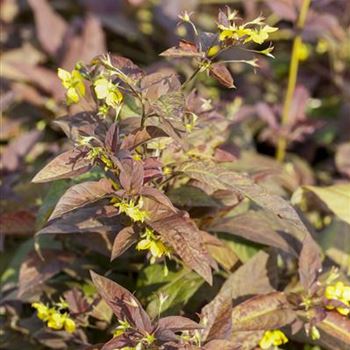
x=165, y=224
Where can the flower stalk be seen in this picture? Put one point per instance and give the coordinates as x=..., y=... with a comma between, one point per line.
x=292, y=79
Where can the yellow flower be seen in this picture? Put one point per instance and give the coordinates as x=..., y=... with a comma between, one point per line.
x=152, y=243
x=132, y=210
x=69, y=325
x=213, y=50
x=74, y=84
x=43, y=312
x=261, y=34
x=341, y=293
x=56, y=320
x=106, y=90
x=255, y=31
x=272, y=338
x=123, y=326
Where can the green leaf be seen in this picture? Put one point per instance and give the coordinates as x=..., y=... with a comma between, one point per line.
x=335, y=242
x=336, y=198
x=179, y=288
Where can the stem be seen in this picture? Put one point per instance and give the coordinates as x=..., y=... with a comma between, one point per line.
x=292, y=79
x=191, y=77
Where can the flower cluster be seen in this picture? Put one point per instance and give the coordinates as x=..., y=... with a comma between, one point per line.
x=132, y=210
x=74, y=83
x=256, y=30
x=54, y=317
x=153, y=243
x=341, y=293
x=272, y=338
x=104, y=89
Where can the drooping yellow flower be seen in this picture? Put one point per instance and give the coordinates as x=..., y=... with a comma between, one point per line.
x=152, y=243
x=74, y=83
x=272, y=338
x=43, y=312
x=133, y=211
x=106, y=90
x=54, y=318
x=261, y=34
x=56, y=321
x=341, y=293
x=255, y=31
x=69, y=325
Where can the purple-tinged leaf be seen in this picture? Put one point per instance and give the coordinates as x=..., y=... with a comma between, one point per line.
x=67, y=165
x=217, y=319
x=178, y=323
x=269, y=311
x=77, y=302
x=310, y=263
x=221, y=344
x=127, y=67
x=82, y=124
x=140, y=136
x=159, y=197
x=335, y=331
x=17, y=149
x=182, y=234
x=84, y=41
x=50, y=26
x=34, y=271
x=152, y=168
x=256, y=226
x=131, y=175
x=94, y=218
x=123, y=241
x=221, y=73
x=80, y=195
x=221, y=178
x=184, y=49
x=112, y=138
x=159, y=84
x=123, y=304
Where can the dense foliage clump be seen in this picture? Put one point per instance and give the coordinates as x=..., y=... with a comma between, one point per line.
x=163, y=227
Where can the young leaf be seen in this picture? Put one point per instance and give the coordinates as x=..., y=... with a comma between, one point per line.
x=183, y=236
x=123, y=241
x=185, y=49
x=310, y=263
x=80, y=195
x=123, y=304
x=131, y=175
x=177, y=324
x=67, y=165
x=221, y=73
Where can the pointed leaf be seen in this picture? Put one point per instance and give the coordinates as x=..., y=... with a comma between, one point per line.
x=122, y=302
x=178, y=323
x=67, y=165
x=123, y=241
x=269, y=311
x=80, y=195
x=310, y=263
x=221, y=73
